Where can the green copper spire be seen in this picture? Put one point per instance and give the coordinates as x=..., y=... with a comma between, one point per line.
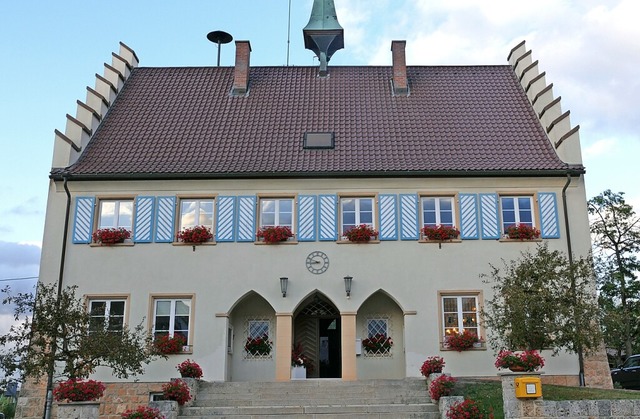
x=323, y=34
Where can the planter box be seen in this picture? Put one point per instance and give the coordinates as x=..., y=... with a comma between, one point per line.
x=78, y=410
x=298, y=373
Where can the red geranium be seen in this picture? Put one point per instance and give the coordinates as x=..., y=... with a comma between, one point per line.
x=433, y=364
x=109, y=236
x=440, y=233
x=522, y=232
x=75, y=390
x=468, y=409
x=441, y=386
x=176, y=390
x=461, y=341
x=197, y=234
x=361, y=233
x=274, y=234
x=143, y=412
x=167, y=345
x=378, y=343
x=190, y=369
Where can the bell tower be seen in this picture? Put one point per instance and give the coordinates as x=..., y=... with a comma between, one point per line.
x=323, y=34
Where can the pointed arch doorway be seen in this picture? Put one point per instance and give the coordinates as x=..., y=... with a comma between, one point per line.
x=317, y=327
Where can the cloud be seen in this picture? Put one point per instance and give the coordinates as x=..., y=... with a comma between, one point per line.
x=19, y=255
x=600, y=147
x=32, y=206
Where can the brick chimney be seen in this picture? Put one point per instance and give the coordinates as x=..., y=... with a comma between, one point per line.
x=399, y=83
x=241, y=69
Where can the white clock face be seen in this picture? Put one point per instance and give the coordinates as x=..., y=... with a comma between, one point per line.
x=317, y=262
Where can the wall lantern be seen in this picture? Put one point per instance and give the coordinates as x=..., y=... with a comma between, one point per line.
x=284, y=282
x=347, y=285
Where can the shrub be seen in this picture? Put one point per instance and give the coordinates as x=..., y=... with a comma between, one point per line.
x=433, y=364
x=167, y=345
x=190, y=369
x=441, y=386
x=197, y=234
x=143, y=412
x=361, y=233
x=75, y=390
x=176, y=390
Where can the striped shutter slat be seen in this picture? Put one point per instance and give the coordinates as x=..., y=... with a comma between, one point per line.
x=83, y=219
x=165, y=218
x=550, y=229
x=388, y=205
x=246, y=219
x=143, y=225
x=307, y=218
x=489, y=216
x=469, y=217
x=328, y=217
x=225, y=219
x=409, y=217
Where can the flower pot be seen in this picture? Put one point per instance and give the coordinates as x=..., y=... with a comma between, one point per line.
x=78, y=410
x=298, y=373
x=517, y=368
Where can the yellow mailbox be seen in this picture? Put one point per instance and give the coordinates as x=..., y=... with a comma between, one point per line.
x=528, y=387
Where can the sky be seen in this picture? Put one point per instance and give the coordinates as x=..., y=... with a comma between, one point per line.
x=51, y=50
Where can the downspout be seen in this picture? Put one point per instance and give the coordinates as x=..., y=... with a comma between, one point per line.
x=49, y=399
x=573, y=280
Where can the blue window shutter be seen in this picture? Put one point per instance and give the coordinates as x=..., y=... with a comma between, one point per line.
x=246, y=218
x=143, y=225
x=83, y=219
x=388, y=210
x=469, y=217
x=225, y=218
x=409, y=217
x=550, y=229
x=307, y=218
x=490, y=219
x=165, y=219
x=328, y=208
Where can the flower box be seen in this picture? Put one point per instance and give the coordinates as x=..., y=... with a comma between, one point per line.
x=361, y=234
x=440, y=233
x=110, y=236
x=298, y=373
x=519, y=361
x=168, y=345
x=195, y=235
x=522, y=232
x=274, y=234
x=85, y=410
x=462, y=341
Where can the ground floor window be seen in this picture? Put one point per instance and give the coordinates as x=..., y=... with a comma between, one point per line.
x=459, y=312
x=106, y=314
x=172, y=317
x=258, y=343
x=378, y=341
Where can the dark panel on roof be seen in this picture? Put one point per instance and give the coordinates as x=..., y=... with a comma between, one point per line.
x=184, y=121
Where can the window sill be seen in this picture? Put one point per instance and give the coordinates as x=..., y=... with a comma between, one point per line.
x=276, y=243
x=481, y=348
x=508, y=240
x=193, y=244
x=440, y=241
x=125, y=244
x=350, y=242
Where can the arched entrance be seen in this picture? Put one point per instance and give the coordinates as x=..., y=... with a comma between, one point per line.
x=317, y=328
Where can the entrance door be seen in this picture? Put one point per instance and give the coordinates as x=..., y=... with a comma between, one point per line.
x=330, y=348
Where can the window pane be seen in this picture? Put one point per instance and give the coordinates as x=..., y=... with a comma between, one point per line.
x=268, y=205
x=181, y=323
x=348, y=205
x=98, y=308
x=468, y=304
x=349, y=219
x=126, y=214
x=446, y=218
x=162, y=323
x=524, y=203
x=507, y=203
x=285, y=219
x=117, y=308
x=286, y=205
x=366, y=218
x=107, y=214
x=183, y=307
x=366, y=204
x=429, y=204
x=163, y=308
x=188, y=214
x=115, y=323
x=450, y=305
x=268, y=219
x=446, y=204
x=258, y=329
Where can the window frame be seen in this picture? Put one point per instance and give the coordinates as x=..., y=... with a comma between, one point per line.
x=248, y=334
x=358, y=197
x=153, y=298
x=455, y=216
x=533, y=199
x=277, y=198
x=179, y=226
x=459, y=294
x=90, y=298
x=118, y=200
x=368, y=333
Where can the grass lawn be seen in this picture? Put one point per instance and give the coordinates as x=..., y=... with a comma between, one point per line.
x=489, y=393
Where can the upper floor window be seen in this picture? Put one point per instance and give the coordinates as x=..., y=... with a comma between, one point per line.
x=516, y=210
x=115, y=213
x=437, y=210
x=355, y=212
x=196, y=212
x=106, y=314
x=172, y=316
x=276, y=212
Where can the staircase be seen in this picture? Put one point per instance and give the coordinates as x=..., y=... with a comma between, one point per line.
x=321, y=399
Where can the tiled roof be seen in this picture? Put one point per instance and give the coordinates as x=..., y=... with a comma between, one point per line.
x=184, y=122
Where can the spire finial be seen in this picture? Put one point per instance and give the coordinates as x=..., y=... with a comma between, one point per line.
x=323, y=34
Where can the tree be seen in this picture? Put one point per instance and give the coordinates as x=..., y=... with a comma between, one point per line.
x=541, y=301
x=57, y=336
x=615, y=228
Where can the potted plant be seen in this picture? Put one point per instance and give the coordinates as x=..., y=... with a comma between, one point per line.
x=440, y=233
x=461, y=341
x=274, y=234
x=377, y=344
x=75, y=390
x=258, y=346
x=519, y=361
x=167, y=345
x=433, y=365
x=195, y=235
x=142, y=412
x=467, y=409
x=189, y=369
x=176, y=390
x=361, y=234
x=441, y=386
x=109, y=236
x=300, y=363
x=522, y=232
